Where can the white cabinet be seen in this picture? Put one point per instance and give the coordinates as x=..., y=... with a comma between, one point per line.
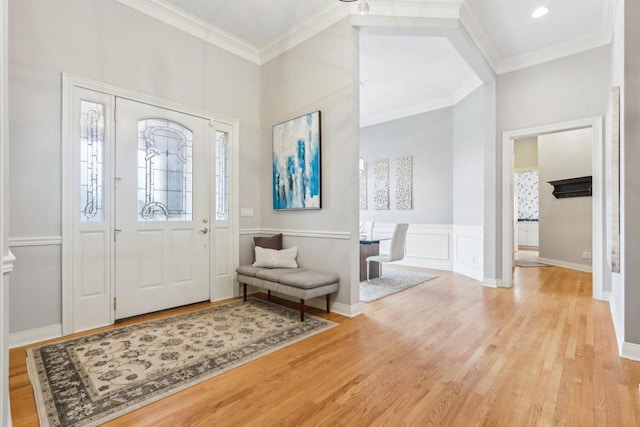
x=527, y=233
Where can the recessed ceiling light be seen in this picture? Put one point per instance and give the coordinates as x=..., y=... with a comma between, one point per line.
x=540, y=12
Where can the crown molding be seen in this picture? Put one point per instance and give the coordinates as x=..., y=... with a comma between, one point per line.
x=609, y=16
x=304, y=32
x=442, y=9
x=176, y=17
x=557, y=51
x=426, y=107
x=479, y=37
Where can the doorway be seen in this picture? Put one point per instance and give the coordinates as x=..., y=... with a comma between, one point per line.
x=597, y=229
x=150, y=205
x=161, y=193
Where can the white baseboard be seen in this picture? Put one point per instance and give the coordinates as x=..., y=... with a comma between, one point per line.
x=631, y=351
x=565, y=264
x=19, y=339
x=606, y=295
x=414, y=261
x=342, y=309
x=617, y=327
x=471, y=271
x=492, y=283
x=321, y=304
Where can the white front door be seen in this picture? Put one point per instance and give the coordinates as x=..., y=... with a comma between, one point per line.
x=162, y=187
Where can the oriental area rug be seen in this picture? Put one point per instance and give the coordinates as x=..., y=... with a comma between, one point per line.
x=394, y=280
x=89, y=380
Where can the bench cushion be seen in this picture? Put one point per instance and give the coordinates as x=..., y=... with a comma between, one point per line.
x=276, y=274
x=248, y=270
x=308, y=279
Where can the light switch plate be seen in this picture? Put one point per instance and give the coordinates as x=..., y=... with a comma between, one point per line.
x=246, y=211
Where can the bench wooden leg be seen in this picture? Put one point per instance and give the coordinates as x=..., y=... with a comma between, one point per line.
x=328, y=298
x=245, y=291
x=269, y=295
x=301, y=310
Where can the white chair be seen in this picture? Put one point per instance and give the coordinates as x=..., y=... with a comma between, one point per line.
x=366, y=230
x=396, y=252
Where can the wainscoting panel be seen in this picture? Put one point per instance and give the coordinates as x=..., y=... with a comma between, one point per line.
x=427, y=246
x=468, y=244
x=223, y=274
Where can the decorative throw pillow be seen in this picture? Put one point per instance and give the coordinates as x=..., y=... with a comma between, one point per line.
x=271, y=258
x=273, y=242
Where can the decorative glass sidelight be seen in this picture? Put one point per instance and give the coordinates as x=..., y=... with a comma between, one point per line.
x=165, y=171
x=91, y=162
x=222, y=176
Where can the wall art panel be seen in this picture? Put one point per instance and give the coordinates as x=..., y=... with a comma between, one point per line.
x=381, y=190
x=404, y=183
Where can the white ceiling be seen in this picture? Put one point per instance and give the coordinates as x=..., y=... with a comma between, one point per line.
x=259, y=22
x=394, y=78
x=513, y=32
x=406, y=75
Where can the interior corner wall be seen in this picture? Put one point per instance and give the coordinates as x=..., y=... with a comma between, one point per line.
x=631, y=176
x=114, y=44
x=319, y=74
x=468, y=160
x=492, y=188
x=565, y=224
x=428, y=137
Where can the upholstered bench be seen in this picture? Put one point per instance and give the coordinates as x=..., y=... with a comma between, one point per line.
x=296, y=282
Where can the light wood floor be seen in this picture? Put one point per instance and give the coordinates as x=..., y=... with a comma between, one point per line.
x=446, y=352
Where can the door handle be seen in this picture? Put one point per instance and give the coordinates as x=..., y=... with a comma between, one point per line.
x=205, y=230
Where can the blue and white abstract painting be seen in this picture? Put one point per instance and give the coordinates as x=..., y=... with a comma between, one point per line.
x=296, y=163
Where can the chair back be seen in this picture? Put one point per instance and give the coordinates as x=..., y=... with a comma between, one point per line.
x=366, y=230
x=398, y=242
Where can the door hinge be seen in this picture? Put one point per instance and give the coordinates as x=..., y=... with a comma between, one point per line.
x=115, y=233
x=114, y=303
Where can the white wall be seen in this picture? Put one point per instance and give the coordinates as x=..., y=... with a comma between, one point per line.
x=468, y=159
x=108, y=42
x=564, y=224
x=428, y=137
x=617, y=79
x=5, y=409
x=631, y=177
x=319, y=74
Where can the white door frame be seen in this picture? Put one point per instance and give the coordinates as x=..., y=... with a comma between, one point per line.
x=595, y=123
x=69, y=82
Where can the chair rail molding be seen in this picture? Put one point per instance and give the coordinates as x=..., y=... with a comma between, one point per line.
x=35, y=241
x=7, y=262
x=338, y=235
